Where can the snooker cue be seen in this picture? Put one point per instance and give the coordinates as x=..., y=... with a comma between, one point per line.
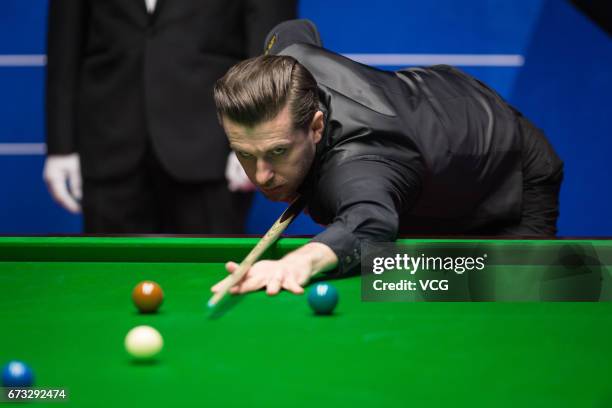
x=264, y=243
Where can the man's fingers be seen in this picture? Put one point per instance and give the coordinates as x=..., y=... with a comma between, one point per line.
x=230, y=267
x=75, y=184
x=275, y=282
x=292, y=285
x=301, y=278
x=62, y=174
x=255, y=279
x=59, y=191
x=271, y=274
x=217, y=286
x=252, y=283
x=248, y=283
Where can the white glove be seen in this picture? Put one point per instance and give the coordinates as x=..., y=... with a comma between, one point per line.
x=62, y=174
x=237, y=180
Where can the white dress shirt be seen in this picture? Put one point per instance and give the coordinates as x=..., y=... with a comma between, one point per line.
x=150, y=5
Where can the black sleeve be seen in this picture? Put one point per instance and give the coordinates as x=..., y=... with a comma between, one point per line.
x=366, y=197
x=65, y=33
x=261, y=16
x=291, y=32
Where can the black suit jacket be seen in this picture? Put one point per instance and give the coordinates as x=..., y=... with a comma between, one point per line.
x=117, y=75
x=419, y=150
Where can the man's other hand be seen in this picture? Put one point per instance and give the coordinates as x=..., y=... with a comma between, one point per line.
x=62, y=175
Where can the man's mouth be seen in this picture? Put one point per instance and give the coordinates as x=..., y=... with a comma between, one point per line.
x=272, y=190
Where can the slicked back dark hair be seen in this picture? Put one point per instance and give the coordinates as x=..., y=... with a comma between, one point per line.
x=256, y=90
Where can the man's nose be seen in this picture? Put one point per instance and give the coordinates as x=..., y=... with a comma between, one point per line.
x=264, y=173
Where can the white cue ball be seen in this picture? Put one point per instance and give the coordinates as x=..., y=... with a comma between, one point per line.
x=143, y=342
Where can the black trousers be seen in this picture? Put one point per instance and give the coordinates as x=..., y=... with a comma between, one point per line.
x=151, y=201
x=542, y=177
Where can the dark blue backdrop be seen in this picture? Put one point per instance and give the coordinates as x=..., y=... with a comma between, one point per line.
x=562, y=86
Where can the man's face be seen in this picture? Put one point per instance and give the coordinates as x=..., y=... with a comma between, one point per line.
x=274, y=155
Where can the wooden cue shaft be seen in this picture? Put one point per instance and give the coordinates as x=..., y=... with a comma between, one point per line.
x=264, y=243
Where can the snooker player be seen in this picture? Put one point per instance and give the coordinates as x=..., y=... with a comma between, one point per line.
x=377, y=153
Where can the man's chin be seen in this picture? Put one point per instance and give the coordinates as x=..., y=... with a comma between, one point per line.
x=279, y=196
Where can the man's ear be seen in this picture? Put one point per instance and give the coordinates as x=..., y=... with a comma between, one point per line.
x=317, y=126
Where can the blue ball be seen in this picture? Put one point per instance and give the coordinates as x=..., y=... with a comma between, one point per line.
x=17, y=374
x=323, y=298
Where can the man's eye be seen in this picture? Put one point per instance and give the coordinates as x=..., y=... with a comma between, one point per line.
x=279, y=151
x=244, y=155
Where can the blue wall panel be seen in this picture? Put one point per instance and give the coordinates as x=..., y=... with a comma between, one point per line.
x=23, y=26
x=25, y=205
x=21, y=105
x=433, y=26
x=565, y=88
